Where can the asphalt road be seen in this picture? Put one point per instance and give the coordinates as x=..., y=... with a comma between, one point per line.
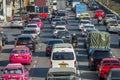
x=41, y=63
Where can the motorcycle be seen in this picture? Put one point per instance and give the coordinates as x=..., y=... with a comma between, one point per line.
x=100, y=21
x=75, y=43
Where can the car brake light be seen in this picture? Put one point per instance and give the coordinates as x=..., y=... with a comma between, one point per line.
x=48, y=48
x=30, y=42
x=18, y=42
x=67, y=36
x=51, y=64
x=91, y=60
x=74, y=63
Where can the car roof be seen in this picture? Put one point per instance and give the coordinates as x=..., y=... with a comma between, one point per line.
x=63, y=45
x=55, y=70
x=14, y=65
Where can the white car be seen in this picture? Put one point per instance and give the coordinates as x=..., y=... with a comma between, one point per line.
x=2, y=17
x=112, y=26
x=63, y=57
x=34, y=26
x=85, y=27
x=82, y=23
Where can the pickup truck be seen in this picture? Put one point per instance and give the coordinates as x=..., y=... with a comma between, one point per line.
x=105, y=66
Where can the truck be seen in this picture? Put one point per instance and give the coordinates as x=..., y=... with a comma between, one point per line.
x=42, y=9
x=61, y=4
x=97, y=40
x=74, y=3
x=80, y=8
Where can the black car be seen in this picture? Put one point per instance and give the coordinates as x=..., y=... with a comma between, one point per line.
x=50, y=44
x=26, y=39
x=65, y=35
x=96, y=56
x=94, y=6
x=4, y=38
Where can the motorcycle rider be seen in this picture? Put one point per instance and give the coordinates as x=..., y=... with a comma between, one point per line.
x=99, y=20
x=74, y=39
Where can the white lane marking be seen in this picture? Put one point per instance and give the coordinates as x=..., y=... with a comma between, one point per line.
x=30, y=78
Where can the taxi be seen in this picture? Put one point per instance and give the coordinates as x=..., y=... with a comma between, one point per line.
x=62, y=57
x=15, y=71
x=21, y=54
x=38, y=22
x=82, y=15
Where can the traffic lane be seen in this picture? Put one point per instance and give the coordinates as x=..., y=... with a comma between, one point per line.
x=39, y=71
x=82, y=54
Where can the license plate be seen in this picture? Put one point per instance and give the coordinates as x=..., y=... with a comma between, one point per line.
x=12, y=79
x=19, y=57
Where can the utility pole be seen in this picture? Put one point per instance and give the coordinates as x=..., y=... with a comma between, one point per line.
x=4, y=10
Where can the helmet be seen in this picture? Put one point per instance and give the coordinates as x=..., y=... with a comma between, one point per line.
x=74, y=34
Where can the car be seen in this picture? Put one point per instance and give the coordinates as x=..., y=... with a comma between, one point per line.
x=65, y=35
x=86, y=14
x=38, y=22
x=62, y=15
x=106, y=64
x=99, y=13
x=4, y=38
x=96, y=57
x=88, y=31
x=82, y=22
x=34, y=26
x=20, y=54
x=17, y=22
x=26, y=39
x=114, y=74
x=112, y=26
x=108, y=17
x=50, y=44
x=60, y=26
x=85, y=27
x=62, y=74
x=53, y=22
x=15, y=71
x=63, y=57
x=2, y=18
x=32, y=32
x=94, y=6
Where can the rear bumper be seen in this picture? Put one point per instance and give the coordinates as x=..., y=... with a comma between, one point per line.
x=20, y=61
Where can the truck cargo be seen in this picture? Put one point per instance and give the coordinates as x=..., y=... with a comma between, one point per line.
x=97, y=41
x=80, y=8
x=61, y=4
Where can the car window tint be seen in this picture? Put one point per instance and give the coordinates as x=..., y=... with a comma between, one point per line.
x=61, y=14
x=29, y=32
x=13, y=71
x=24, y=38
x=19, y=51
x=35, y=21
x=63, y=56
x=32, y=26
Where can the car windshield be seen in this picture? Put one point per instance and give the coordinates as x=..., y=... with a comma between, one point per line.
x=63, y=56
x=29, y=32
x=61, y=14
x=13, y=71
x=32, y=26
x=19, y=51
x=54, y=42
x=101, y=54
x=35, y=21
x=17, y=19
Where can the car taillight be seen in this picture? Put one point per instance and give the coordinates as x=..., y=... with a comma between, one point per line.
x=18, y=42
x=51, y=64
x=30, y=42
x=91, y=60
x=48, y=48
x=67, y=36
x=74, y=63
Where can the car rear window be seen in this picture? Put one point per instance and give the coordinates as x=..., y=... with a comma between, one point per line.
x=24, y=38
x=63, y=56
x=60, y=28
x=101, y=54
x=29, y=32
x=16, y=19
x=19, y=51
x=32, y=26
x=56, y=20
x=84, y=22
x=13, y=71
x=60, y=23
x=35, y=21
x=61, y=14
x=63, y=33
x=54, y=42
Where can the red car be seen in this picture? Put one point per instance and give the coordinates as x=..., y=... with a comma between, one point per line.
x=105, y=66
x=38, y=22
x=99, y=13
